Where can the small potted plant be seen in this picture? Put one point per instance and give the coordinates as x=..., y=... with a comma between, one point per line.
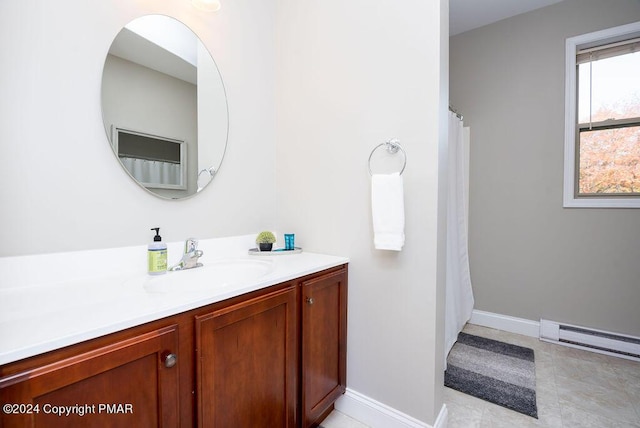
x=265, y=240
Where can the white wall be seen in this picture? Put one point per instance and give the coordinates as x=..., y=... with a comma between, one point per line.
x=350, y=76
x=62, y=188
x=530, y=257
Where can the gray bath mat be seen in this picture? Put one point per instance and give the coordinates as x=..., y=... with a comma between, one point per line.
x=494, y=371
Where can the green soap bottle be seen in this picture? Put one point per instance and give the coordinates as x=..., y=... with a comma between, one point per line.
x=157, y=255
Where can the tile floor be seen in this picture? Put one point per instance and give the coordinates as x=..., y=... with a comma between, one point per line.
x=340, y=420
x=575, y=389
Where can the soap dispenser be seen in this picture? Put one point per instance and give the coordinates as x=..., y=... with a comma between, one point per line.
x=157, y=254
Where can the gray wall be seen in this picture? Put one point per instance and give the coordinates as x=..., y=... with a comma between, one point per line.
x=530, y=257
x=140, y=99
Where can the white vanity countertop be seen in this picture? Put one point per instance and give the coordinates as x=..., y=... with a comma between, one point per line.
x=54, y=300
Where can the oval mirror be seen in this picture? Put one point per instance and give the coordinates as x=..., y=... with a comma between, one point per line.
x=164, y=107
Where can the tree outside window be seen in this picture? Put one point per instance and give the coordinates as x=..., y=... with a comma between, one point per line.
x=609, y=124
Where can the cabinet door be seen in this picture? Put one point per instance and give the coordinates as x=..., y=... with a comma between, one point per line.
x=324, y=343
x=120, y=384
x=246, y=370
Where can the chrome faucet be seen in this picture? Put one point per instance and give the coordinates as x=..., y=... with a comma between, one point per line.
x=190, y=256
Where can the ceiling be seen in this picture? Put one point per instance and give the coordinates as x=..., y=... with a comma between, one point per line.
x=465, y=15
x=134, y=47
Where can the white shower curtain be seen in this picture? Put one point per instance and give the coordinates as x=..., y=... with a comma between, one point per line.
x=152, y=172
x=459, y=295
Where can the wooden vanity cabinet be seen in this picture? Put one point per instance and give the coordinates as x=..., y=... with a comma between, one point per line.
x=246, y=370
x=275, y=357
x=277, y=360
x=130, y=382
x=324, y=344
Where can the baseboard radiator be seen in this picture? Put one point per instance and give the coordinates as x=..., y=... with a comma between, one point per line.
x=592, y=340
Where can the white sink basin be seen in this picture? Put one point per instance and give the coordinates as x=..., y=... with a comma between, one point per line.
x=214, y=275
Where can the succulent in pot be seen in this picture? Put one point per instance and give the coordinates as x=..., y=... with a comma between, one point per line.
x=265, y=240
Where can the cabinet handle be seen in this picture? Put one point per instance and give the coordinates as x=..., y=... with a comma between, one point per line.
x=310, y=300
x=170, y=360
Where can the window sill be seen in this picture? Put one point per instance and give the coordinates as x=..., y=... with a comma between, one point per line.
x=598, y=202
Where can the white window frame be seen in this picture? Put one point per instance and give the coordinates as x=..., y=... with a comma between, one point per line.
x=570, y=200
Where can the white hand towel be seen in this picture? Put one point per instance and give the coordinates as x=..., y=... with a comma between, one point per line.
x=387, y=204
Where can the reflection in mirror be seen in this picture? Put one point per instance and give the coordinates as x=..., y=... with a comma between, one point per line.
x=164, y=107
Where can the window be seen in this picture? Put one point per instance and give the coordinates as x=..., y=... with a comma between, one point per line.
x=602, y=119
x=155, y=162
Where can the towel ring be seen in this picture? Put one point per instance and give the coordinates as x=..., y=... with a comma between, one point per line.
x=392, y=146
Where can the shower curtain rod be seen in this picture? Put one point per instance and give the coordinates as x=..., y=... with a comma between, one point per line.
x=454, y=111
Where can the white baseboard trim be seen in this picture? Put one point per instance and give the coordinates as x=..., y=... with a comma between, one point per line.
x=506, y=323
x=443, y=417
x=378, y=415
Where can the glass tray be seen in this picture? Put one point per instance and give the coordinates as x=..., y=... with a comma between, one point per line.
x=275, y=252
